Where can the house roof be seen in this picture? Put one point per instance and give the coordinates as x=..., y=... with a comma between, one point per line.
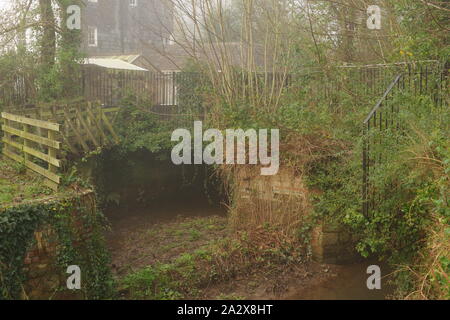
x=113, y=63
x=174, y=57
x=130, y=58
x=169, y=58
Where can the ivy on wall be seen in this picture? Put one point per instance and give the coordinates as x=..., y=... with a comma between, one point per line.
x=77, y=230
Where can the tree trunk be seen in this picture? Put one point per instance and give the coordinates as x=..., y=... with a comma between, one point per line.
x=69, y=47
x=48, y=41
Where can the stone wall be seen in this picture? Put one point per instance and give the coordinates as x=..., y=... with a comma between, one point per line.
x=284, y=199
x=44, y=279
x=332, y=243
x=278, y=200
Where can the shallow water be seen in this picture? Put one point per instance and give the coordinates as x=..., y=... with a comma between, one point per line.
x=130, y=218
x=349, y=284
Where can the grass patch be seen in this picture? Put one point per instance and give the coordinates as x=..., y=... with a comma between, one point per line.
x=241, y=254
x=194, y=235
x=16, y=185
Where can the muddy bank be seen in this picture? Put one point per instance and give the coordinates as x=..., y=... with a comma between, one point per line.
x=139, y=238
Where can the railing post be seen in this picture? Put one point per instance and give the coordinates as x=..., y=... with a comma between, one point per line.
x=6, y=135
x=365, y=208
x=173, y=89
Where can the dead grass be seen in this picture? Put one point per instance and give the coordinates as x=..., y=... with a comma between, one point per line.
x=280, y=201
x=431, y=268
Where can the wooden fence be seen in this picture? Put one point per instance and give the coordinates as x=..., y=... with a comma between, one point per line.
x=42, y=136
x=34, y=143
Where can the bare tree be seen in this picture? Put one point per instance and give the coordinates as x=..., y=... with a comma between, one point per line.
x=247, y=58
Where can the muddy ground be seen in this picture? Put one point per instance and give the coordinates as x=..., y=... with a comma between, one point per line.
x=139, y=239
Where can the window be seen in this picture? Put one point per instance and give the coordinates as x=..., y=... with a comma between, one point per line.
x=92, y=37
x=133, y=3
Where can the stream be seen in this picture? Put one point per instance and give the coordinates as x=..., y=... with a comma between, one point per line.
x=349, y=284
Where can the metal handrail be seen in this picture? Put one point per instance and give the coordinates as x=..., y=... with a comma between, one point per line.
x=386, y=93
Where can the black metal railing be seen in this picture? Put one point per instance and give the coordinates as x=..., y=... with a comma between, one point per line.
x=111, y=86
x=375, y=120
x=385, y=117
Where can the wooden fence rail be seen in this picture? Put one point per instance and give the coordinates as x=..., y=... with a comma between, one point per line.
x=35, y=143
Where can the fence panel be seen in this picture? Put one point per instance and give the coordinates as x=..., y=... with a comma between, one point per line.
x=34, y=143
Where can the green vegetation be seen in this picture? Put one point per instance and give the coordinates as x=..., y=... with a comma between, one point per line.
x=413, y=208
x=139, y=128
x=321, y=113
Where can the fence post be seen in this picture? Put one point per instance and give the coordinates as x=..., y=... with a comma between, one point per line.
x=52, y=153
x=26, y=128
x=7, y=135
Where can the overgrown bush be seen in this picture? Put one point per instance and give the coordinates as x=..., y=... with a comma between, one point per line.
x=412, y=210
